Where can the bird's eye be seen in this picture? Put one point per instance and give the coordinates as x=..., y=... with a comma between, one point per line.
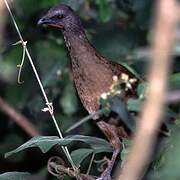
x=60, y=16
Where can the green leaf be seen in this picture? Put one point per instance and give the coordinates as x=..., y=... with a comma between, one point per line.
x=135, y=105
x=169, y=160
x=14, y=176
x=80, y=154
x=141, y=90
x=97, y=144
x=131, y=70
x=45, y=143
x=118, y=106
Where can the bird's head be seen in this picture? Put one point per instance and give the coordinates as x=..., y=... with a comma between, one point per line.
x=62, y=17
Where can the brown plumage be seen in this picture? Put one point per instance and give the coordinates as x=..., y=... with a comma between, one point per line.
x=92, y=73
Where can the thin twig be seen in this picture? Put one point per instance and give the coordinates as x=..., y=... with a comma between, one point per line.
x=147, y=129
x=59, y=170
x=85, y=119
x=20, y=66
x=2, y=22
x=90, y=164
x=48, y=104
x=21, y=120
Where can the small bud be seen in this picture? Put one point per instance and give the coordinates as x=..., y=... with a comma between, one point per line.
x=128, y=86
x=45, y=109
x=104, y=95
x=115, y=78
x=118, y=92
x=124, y=77
x=133, y=80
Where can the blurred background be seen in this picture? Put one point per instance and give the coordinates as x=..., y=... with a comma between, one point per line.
x=119, y=29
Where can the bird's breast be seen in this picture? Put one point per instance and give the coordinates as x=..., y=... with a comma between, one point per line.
x=91, y=80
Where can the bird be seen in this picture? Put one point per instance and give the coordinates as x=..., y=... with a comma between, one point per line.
x=93, y=74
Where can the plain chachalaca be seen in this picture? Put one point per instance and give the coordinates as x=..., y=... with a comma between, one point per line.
x=92, y=73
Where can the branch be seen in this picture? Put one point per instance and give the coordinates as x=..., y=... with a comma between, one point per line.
x=150, y=120
x=1, y=22
x=18, y=118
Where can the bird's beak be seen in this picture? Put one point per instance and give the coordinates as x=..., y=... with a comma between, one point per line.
x=44, y=20
x=49, y=22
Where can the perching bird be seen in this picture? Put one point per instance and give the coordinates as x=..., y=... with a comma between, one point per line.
x=92, y=73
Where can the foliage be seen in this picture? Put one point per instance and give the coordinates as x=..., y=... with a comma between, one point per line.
x=14, y=176
x=119, y=30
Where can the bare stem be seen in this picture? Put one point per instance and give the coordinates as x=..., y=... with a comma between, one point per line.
x=90, y=164
x=48, y=104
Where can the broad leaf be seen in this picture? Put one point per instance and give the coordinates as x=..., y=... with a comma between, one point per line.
x=135, y=105
x=14, y=176
x=131, y=70
x=45, y=143
x=141, y=90
x=97, y=144
x=80, y=154
x=169, y=162
x=118, y=106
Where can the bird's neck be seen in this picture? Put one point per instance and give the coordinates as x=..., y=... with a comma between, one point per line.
x=77, y=44
x=84, y=58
